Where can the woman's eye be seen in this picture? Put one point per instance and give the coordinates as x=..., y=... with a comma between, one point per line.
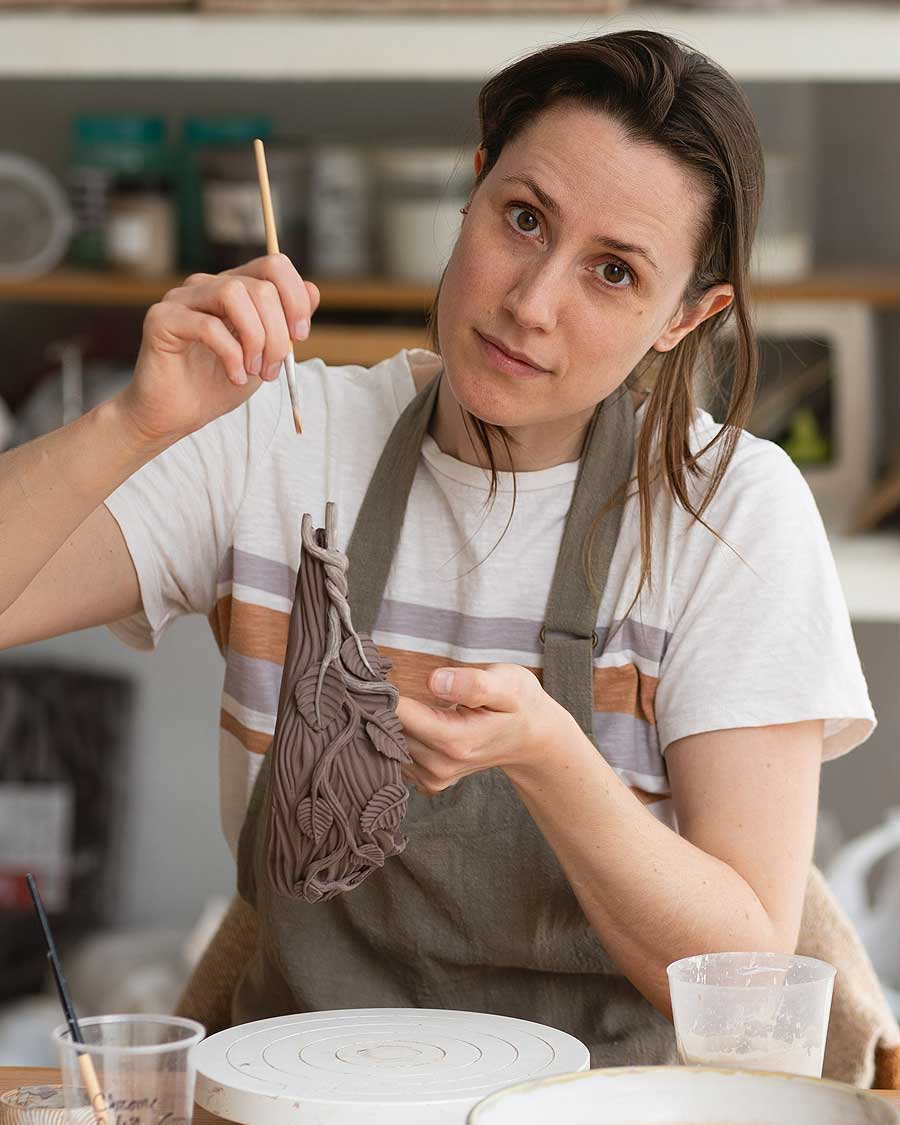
x=530, y=215
x=614, y=275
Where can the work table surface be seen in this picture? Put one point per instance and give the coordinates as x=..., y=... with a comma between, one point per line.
x=11, y=1076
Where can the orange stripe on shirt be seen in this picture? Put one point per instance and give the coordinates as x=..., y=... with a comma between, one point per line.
x=617, y=688
x=624, y=690
x=253, y=740
x=253, y=630
x=261, y=633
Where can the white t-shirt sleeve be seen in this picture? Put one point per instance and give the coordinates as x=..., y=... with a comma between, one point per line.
x=764, y=638
x=178, y=511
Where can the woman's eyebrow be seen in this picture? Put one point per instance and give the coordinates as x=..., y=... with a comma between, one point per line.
x=550, y=204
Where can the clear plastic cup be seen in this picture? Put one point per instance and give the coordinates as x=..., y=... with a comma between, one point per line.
x=752, y=1011
x=142, y=1065
x=38, y=1105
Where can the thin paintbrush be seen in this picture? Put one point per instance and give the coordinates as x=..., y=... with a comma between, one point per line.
x=272, y=248
x=85, y=1062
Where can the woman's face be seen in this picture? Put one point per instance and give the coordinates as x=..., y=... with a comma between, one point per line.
x=583, y=281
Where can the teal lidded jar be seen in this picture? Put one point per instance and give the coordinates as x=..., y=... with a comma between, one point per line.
x=105, y=148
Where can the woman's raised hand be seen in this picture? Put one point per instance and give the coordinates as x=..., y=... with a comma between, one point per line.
x=209, y=343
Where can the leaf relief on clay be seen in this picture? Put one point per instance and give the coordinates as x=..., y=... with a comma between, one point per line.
x=314, y=824
x=331, y=698
x=385, y=809
x=352, y=661
x=372, y=853
x=386, y=745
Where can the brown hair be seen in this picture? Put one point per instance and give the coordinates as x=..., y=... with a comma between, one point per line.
x=665, y=94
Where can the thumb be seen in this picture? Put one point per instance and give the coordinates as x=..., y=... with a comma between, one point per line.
x=470, y=687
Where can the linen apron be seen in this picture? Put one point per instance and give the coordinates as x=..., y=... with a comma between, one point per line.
x=476, y=914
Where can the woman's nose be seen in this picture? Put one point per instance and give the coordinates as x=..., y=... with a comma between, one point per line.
x=535, y=297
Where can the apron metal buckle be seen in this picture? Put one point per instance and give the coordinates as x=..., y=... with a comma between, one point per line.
x=573, y=636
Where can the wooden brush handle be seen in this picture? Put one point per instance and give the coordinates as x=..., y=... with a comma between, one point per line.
x=89, y=1077
x=272, y=248
x=266, y=193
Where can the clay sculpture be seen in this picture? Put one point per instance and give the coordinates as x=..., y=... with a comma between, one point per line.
x=337, y=795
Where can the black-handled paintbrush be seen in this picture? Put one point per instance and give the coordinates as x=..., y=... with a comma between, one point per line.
x=85, y=1062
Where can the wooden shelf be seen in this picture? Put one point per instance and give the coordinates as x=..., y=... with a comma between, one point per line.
x=85, y=287
x=877, y=287
x=366, y=345
x=815, y=43
x=880, y=288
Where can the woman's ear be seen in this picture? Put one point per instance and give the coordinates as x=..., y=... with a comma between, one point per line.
x=713, y=300
x=479, y=160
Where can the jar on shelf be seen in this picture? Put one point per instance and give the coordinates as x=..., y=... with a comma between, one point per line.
x=107, y=148
x=141, y=226
x=420, y=193
x=783, y=249
x=340, y=212
x=222, y=217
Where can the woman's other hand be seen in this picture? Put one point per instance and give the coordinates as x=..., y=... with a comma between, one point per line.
x=482, y=717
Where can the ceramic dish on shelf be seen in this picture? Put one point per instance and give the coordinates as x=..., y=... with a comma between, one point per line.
x=36, y=220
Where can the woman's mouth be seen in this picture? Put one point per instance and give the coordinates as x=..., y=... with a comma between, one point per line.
x=506, y=363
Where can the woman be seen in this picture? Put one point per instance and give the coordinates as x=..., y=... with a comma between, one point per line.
x=606, y=241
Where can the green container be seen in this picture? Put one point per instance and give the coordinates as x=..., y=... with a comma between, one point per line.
x=129, y=145
x=106, y=149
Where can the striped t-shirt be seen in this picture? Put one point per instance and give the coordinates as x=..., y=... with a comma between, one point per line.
x=748, y=636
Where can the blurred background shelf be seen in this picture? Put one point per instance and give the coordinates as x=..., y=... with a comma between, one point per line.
x=877, y=287
x=365, y=345
x=869, y=569
x=837, y=42
x=74, y=287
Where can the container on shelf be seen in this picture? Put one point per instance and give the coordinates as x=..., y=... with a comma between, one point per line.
x=109, y=148
x=220, y=209
x=36, y=220
x=141, y=227
x=783, y=248
x=420, y=193
x=340, y=212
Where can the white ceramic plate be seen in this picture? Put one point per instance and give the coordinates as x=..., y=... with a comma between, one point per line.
x=682, y=1095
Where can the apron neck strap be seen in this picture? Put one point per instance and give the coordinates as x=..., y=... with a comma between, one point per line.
x=570, y=621
x=380, y=519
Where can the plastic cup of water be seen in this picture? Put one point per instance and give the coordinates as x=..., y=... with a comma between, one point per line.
x=143, y=1067
x=752, y=1011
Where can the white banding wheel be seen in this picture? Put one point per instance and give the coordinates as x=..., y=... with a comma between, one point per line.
x=381, y=1066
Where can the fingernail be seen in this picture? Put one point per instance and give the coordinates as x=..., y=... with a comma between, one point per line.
x=256, y=365
x=272, y=370
x=442, y=682
x=241, y=377
x=301, y=329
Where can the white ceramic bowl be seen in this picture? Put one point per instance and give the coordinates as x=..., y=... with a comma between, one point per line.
x=678, y=1095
